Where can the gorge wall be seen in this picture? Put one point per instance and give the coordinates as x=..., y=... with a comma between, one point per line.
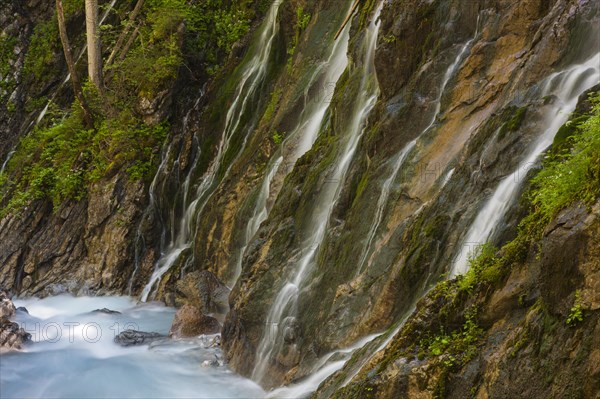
x=335, y=184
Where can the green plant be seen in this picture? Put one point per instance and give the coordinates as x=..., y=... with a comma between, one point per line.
x=576, y=314
x=390, y=38
x=7, y=45
x=302, y=20
x=567, y=177
x=460, y=346
x=277, y=137
x=271, y=107
x=484, y=265
x=40, y=60
x=514, y=123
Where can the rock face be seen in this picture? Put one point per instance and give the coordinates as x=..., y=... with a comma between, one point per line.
x=134, y=337
x=83, y=248
x=190, y=322
x=490, y=113
x=205, y=291
x=465, y=83
x=526, y=349
x=17, y=22
x=7, y=307
x=11, y=335
x=106, y=311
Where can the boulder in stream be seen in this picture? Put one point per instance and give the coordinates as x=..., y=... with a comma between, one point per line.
x=106, y=311
x=11, y=335
x=190, y=322
x=204, y=290
x=7, y=308
x=134, y=337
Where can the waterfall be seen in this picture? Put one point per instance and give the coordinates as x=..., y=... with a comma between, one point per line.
x=296, y=143
x=252, y=77
x=285, y=303
x=323, y=370
x=403, y=154
x=8, y=157
x=566, y=86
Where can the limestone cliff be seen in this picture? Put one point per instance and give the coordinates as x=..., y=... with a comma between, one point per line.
x=334, y=182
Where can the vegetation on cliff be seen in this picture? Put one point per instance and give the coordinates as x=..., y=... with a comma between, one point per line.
x=454, y=322
x=571, y=171
x=64, y=154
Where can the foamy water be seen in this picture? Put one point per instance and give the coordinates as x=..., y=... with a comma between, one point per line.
x=73, y=355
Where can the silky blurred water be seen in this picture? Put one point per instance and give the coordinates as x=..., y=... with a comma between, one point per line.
x=73, y=355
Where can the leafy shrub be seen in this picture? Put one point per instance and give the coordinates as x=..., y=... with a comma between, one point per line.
x=59, y=162
x=568, y=177
x=483, y=266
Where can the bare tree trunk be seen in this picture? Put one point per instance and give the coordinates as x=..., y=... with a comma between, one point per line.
x=354, y=7
x=123, y=35
x=129, y=43
x=64, y=38
x=93, y=44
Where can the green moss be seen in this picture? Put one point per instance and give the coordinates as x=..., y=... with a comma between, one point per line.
x=514, y=123
x=362, y=184
x=272, y=106
x=7, y=55
x=41, y=61
x=302, y=20
x=566, y=131
x=365, y=13
x=452, y=351
x=277, y=137
x=484, y=266
x=436, y=227
x=519, y=344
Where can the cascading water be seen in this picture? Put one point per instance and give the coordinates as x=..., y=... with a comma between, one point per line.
x=252, y=78
x=403, y=155
x=8, y=157
x=258, y=215
x=566, y=86
x=297, y=143
x=285, y=303
x=324, y=368
x=73, y=355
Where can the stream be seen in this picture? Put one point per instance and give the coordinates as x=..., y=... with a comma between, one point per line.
x=73, y=355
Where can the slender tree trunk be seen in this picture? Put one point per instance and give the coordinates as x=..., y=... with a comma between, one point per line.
x=125, y=32
x=93, y=44
x=64, y=38
x=354, y=7
x=129, y=43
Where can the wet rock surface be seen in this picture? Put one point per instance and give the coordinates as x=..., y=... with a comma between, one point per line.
x=7, y=307
x=89, y=247
x=85, y=248
x=134, y=337
x=445, y=181
x=11, y=335
x=190, y=322
x=106, y=311
x=525, y=334
x=204, y=290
